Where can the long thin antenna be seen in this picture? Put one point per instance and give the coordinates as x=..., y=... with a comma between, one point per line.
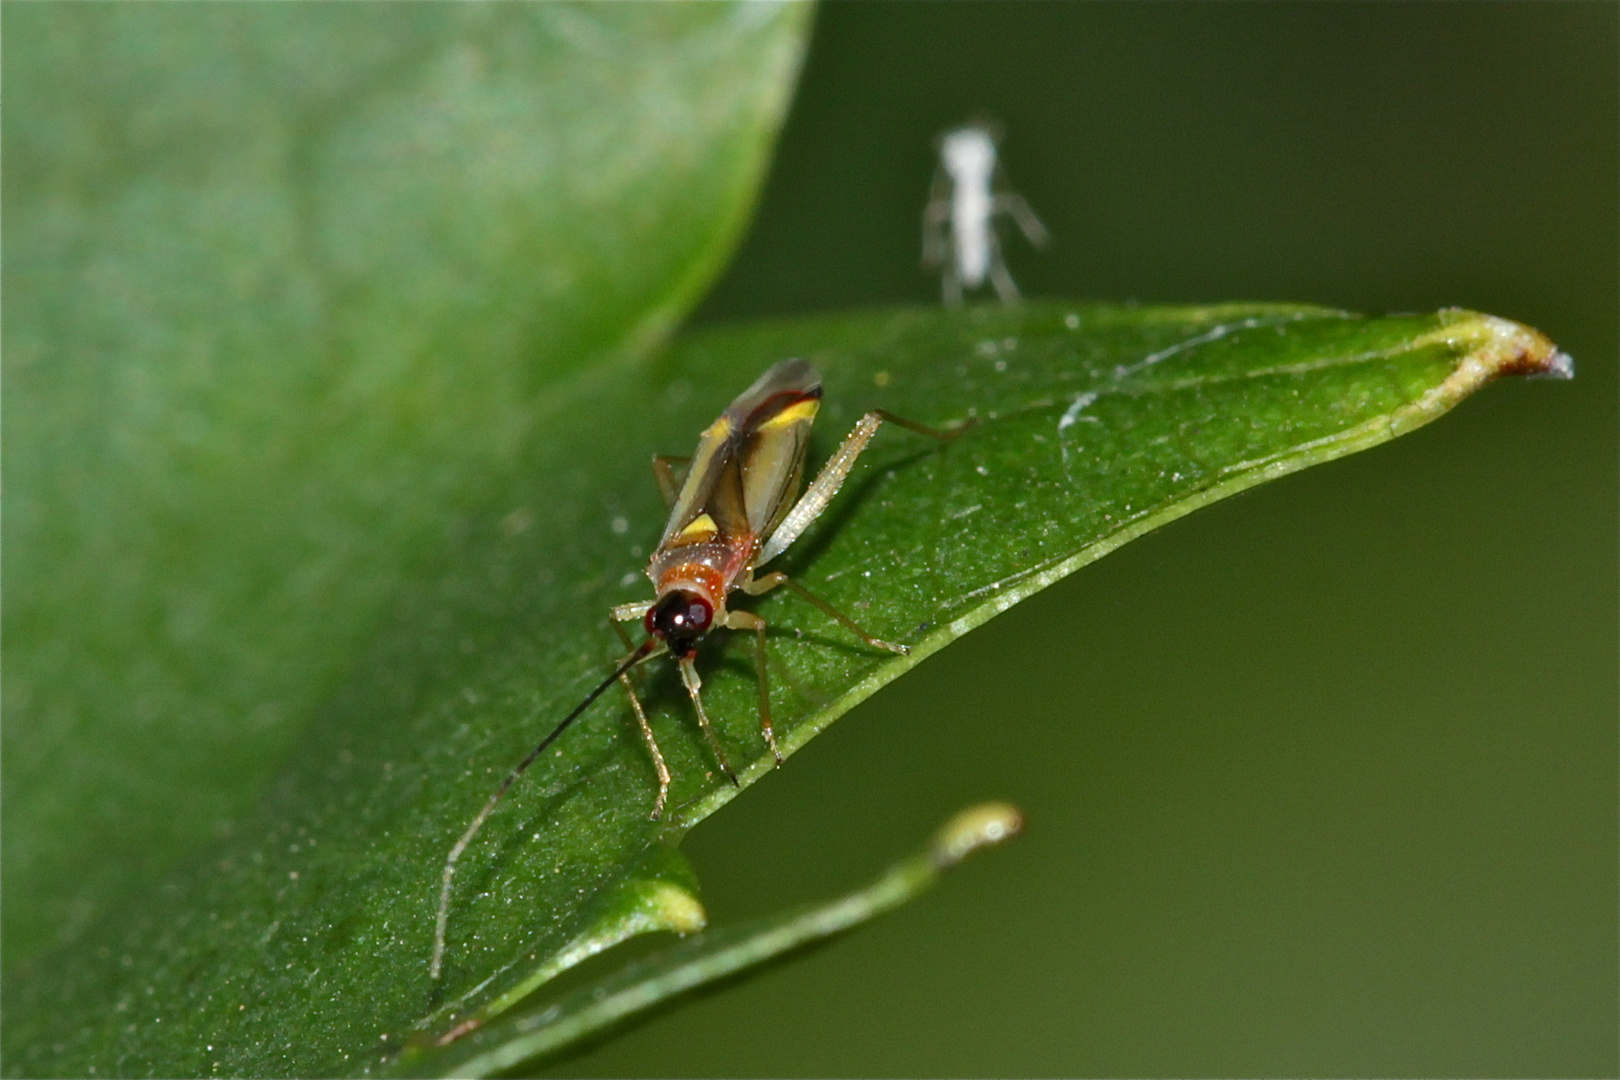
x=630, y=661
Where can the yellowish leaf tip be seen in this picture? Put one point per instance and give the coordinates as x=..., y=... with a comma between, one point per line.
x=976, y=827
x=675, y=909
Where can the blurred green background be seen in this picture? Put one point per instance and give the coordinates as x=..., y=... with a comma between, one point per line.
x=1328, y=773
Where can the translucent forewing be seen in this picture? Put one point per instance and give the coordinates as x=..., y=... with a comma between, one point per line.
x=714, y=452
x=774, y=447
x=749, y=463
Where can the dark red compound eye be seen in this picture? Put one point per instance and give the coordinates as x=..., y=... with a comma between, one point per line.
x=680, y=618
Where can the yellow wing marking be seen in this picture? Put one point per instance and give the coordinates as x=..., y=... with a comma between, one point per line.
x=804, y=410
x=699, y=529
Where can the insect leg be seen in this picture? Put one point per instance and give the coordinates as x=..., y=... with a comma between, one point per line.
x=912, y=425
x=747, y=620
x=1018, y=207
x=689, y=677
x=663, y=469
x=629, y=612
x=832, y=476
x=646, y=730
x=1006, y=288
x=770, y=581
x=935, y=214
x=951, y=285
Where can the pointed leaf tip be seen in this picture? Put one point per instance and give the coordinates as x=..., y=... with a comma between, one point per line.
x=984, y=825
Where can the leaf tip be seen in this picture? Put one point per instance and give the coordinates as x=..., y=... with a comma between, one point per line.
x=1560, y=365
x=673, y=908
x=1486, y=347
x=984, y=825
x=1493, y=346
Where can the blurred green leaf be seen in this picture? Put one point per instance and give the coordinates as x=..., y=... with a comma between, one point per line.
x=287, y=289
x=587, y=1013
x=301, y=944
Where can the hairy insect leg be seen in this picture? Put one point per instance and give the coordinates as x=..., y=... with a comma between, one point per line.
x=630, y=612
x=689, y=677
x=657, y=755
x=832, y=476
x=770, y=581
x=747, y=620
x=663, y=469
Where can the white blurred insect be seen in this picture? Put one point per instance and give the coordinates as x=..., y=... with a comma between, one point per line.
x=959, y=233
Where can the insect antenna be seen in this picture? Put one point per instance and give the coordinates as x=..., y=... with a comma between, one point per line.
x=641, y=653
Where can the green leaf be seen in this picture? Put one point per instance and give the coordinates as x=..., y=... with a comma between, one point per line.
x=287, y=288
x=301, y=944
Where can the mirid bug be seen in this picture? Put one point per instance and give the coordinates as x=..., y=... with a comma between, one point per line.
x=959, y=221
x=734, y=512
